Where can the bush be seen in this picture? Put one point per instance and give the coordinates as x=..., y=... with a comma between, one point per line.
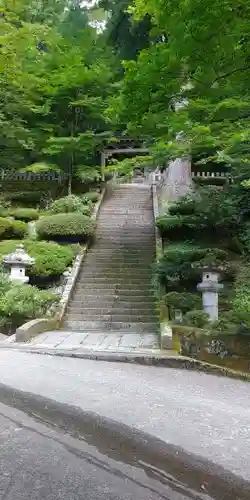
x=5, y=228
x=25, y=197
x=65, y=227
x=51, y=259
x=179, y=227
x=177, y=266
x=25, y=214
x=186, y=206
x=10, y=228
x=196, y=318
x=21, y=303
x=184, y=301
x=92, y=196
x=19, y=229
x=69, y=204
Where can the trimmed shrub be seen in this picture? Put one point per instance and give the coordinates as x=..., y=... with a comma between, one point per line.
x=21, y=303
x=19, y=229
x=10, y=228
x=25, y=197
x=196, y=318
x=91, y=196
x=69, y=204
x=186, y=206
x=184, y=301
x=73, y=227
x=179, y=227
x=25, y=214
x=178, y=267
x=5, y=228
x=51, y=259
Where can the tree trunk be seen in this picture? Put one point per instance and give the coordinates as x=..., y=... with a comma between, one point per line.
x=70, y=184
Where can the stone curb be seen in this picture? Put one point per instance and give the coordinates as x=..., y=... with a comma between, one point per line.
x=165, y=330
x=160, y=360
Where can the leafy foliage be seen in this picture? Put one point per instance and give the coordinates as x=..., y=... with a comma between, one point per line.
x=177, y=268
x=184, y=301
x=63, y=226
x=51, y=259
x=70, y=203
x=12, y=229
x=21, y=303
x=196, y=318
x=25, y=214
x=92, y=196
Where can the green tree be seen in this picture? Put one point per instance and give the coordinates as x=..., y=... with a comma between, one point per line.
x=204, y=58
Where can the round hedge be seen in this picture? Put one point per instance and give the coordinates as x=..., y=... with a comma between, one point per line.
x=91, y=196
x=51, y=259
x=25, y=214
x=65, y=227
x=69, y=204
x=19, y=229
x=10, y=228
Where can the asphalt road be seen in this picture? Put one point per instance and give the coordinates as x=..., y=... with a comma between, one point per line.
x=203, y=423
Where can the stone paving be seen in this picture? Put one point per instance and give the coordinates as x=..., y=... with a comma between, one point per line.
x=98, y=342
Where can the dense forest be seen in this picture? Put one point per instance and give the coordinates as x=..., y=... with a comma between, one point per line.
x=74, y=74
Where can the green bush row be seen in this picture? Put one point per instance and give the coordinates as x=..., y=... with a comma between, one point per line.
x=10, y=228
x=65, y=227
x=91, y=196
x=206, y=212
x=23, y=214
x=51, y=259
x=70, y=204
x=179, y=265
x=20, y=303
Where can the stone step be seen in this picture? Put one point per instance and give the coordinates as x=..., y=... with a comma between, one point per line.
x=129, y=238
x=121, y=246
x=117, y=274
x=102, y=327
x=117, y=282
x=127, y=267
x=110, y=303
x=118, y=257
x=138, y=295
x=117, y=318
x=99, y=310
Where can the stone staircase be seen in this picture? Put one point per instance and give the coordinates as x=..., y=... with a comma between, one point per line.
x=113, y=293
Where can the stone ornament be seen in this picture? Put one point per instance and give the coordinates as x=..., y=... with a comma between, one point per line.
x=18, y=261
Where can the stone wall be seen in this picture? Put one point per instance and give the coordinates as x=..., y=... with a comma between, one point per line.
x=230, y=351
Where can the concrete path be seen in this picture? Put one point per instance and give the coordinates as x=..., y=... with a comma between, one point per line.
x=79, y=341
x=202, y=414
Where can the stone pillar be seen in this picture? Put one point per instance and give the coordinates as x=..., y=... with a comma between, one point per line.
x=18, y=261
x=210, y=287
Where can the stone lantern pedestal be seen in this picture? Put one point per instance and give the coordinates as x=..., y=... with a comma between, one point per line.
x=18, y=261
x=210, y=288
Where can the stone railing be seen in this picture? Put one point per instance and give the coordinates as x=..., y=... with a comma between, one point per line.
x=212, y=175
x=6, y=175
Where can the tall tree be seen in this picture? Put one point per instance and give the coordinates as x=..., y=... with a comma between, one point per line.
x=203, y=58
x=126, y=37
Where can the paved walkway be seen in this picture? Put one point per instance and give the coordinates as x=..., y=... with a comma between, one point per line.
x=80, y=341
x=205, y=415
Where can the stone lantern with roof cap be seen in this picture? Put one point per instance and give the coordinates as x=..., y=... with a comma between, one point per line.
x=18, y=261
x=210, y=288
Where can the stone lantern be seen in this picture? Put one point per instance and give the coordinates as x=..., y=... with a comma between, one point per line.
x=210, y=287
x=18, y=261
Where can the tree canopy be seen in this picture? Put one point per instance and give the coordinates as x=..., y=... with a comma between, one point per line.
x=62, y=93
x=201, y=57
x=54, y=84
